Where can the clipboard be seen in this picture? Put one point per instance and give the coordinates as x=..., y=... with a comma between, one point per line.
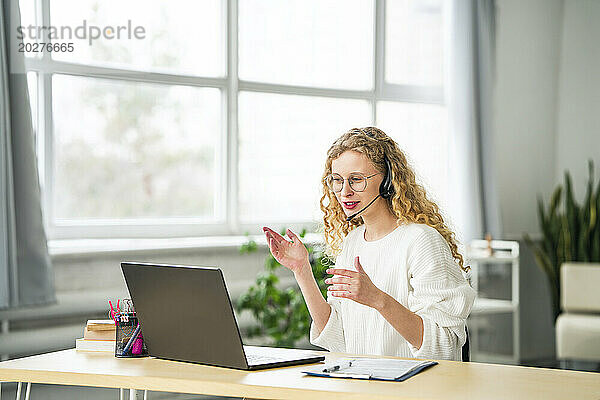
x=372, y=369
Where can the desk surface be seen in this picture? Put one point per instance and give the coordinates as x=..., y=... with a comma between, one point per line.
x=448, y=380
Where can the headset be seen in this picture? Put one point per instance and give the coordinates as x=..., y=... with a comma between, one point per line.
x=386, y=189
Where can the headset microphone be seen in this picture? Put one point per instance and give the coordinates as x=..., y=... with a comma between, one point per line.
x=355, y=214
x=386, y=188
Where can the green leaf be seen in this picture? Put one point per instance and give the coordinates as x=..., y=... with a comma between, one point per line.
x=555, y=200
x=572, y=220
x=249, y=247
x=596, y=235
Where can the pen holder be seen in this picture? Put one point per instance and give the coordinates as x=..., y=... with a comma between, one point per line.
x=129, y=339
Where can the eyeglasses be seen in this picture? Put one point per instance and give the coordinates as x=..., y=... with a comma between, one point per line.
x=356, y=180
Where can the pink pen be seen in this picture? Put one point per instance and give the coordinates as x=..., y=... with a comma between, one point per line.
x=138, y=344
x=112, y=312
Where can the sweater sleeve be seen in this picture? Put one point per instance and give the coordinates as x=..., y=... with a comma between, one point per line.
x=332, y=335
x=440, y=295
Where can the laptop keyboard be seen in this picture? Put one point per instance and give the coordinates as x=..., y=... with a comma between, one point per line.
x=256, y=359
x=256, y=355
x=264, y=355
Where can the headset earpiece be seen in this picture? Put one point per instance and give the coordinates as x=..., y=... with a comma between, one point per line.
x=386, y=189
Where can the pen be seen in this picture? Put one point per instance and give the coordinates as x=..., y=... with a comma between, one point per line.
x=132, y=339
x=338, y=367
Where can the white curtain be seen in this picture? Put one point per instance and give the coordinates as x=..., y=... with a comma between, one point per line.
x=472, y=202
x=26, y=276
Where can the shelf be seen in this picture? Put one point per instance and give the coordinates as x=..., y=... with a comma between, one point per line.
x=503, y=259
x=483, y=306
x=506, y=255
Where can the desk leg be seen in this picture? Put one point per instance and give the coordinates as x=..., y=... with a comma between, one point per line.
x=121, y=397
x=28, y=391
x=132, y=394
x=19, y=385
x=145, y=395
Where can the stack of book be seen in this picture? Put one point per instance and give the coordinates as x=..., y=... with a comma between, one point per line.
x=99, y=335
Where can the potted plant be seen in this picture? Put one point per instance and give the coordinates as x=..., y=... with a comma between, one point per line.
x=281, y=313
x=570, y=232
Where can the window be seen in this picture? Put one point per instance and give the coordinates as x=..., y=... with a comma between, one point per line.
x=325, y=44
x=218, y=120
x=414, y=46
x=133, y=149
x=179, y=37
x=291, y=146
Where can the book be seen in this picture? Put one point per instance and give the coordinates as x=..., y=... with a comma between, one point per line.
x=372, y=368
x=95, y=345
x=99, y=335
x=100, y=330
x=101, y=325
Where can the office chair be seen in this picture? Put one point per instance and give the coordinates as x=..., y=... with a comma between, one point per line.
x=466, y=353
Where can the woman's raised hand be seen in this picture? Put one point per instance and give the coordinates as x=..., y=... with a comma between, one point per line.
x=291, y=254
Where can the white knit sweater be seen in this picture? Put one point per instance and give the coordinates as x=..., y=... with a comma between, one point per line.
x=414, y=265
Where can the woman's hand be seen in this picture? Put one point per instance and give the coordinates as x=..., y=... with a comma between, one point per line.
x=355, y=285
x=292, y=255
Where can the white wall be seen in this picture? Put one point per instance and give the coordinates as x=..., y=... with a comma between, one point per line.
x=525, y=101
x=525, y=105
x=546, y=120
x=101, y=272
x=546, y=103
x=578, y=122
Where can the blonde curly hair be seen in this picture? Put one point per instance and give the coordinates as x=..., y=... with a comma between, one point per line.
x=409, y=203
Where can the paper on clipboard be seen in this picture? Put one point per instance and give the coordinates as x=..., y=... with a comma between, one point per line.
x=372, y=368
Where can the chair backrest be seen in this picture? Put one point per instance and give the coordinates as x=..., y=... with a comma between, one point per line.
x=579, y=287
x=466, y=353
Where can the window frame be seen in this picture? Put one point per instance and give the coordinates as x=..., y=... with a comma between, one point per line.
x=227, y=221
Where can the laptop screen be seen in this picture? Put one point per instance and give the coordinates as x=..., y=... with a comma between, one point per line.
x=185, y=313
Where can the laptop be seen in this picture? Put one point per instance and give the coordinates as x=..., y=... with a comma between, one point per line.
x=186, y=314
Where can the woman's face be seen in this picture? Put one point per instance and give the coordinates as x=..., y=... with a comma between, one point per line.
x=348, y=163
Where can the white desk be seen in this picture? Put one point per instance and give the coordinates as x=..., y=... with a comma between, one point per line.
x=448, y=380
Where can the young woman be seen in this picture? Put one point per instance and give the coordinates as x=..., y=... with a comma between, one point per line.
x=397, y=287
